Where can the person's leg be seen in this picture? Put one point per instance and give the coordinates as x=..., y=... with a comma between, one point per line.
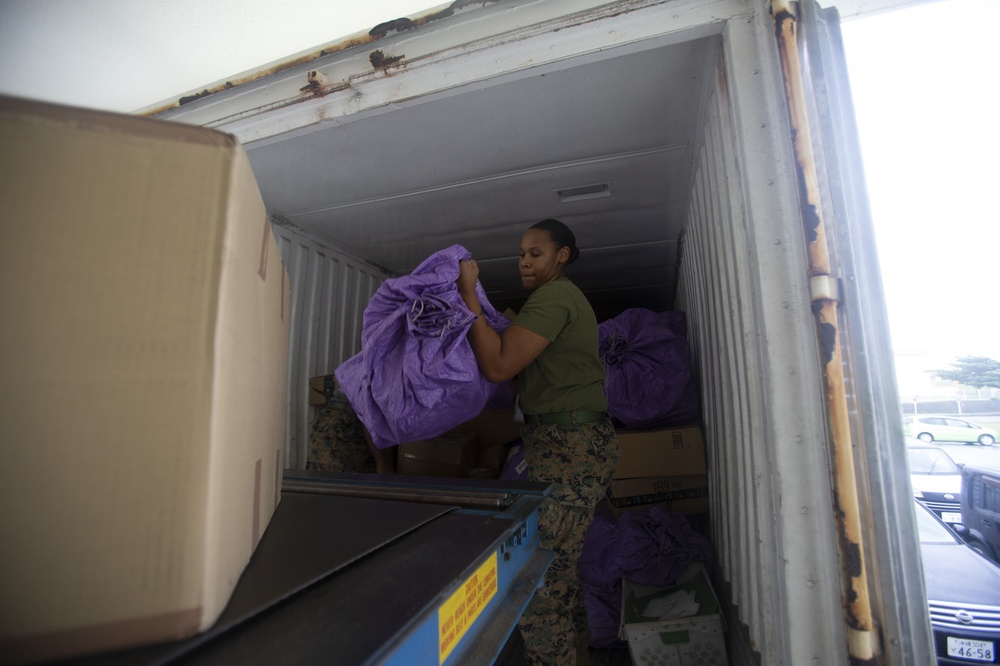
x=580, y=462
x=547, y=626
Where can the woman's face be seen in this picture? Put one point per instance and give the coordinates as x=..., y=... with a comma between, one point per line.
x=541, y=261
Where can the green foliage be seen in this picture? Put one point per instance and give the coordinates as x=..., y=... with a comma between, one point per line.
x=975, y=371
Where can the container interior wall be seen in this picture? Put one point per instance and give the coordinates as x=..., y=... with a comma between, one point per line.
x=330, y=291
x=714, y=275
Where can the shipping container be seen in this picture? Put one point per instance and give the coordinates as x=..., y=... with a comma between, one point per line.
x=705, y=155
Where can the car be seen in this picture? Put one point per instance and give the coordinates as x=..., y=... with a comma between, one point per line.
x=936, y=480
x=963, y=594
x=981, y=509
x=947, y=429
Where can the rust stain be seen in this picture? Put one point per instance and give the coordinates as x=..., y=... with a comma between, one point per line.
x=858, y=614
x=205, y=93
x=827, y=342
x=780, y=19
x=812, y=211
x=380, y=60
x=376, y=33
x=396, y=25
x=259, y=74
x=317, y=85
x=404, y=24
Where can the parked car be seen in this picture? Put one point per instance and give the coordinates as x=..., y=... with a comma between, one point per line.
x=963, y=594
x=947, y=429
x=936, y=480
x=981, y=509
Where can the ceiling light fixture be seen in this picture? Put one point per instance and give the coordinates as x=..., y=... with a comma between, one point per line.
x=584, y=192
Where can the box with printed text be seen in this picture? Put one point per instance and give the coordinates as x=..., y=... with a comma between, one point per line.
x=663, y=452
x=687, y=494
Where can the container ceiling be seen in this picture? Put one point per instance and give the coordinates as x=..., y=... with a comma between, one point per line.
x=480, y=164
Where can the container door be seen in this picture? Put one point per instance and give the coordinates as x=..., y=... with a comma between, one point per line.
x=901, y=626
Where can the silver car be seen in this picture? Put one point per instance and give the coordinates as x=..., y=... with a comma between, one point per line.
x=936, y=480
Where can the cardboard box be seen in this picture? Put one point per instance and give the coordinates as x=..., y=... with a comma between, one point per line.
x=690, y=506
x=493, y=427
x=321, y=389
x=146, y=315
x=681, y=624
x=492, y=457
x=664, y=452
x=687, y=494
x=453, y=454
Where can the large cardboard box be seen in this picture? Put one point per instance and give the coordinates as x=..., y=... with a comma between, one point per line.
x=663, y=452
x=493, y=427
x=451, y=454
x=144, y=341
x=687, y=494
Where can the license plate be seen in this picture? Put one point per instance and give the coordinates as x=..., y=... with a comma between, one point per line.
x=951, y=517
x=970, y=649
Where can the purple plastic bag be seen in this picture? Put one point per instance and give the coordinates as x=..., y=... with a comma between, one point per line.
x=416, y=376
x=650, y=547
x=648, y=363
x=515, y=468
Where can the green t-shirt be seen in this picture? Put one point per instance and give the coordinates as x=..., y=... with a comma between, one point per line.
x=568, y=375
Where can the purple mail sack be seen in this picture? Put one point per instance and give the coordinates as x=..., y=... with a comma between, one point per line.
x=416, y=376
x=648, y=363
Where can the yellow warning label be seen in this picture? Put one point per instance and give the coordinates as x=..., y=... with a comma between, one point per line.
x=462, y=608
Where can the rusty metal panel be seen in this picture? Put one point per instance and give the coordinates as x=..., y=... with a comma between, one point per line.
x=751, y=335
x=330, y=290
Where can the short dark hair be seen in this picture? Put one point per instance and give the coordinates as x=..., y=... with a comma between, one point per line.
x=561, y=235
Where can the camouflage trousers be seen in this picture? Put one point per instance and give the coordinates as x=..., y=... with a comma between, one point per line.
x=580, y=461
x=337, y=442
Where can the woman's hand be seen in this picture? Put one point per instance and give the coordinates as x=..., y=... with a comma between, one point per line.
x=468, y=273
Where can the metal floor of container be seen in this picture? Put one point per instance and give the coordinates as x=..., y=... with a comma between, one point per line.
x=513, y=654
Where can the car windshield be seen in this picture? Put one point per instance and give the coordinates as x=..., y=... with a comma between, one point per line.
x=930, y=461
x=931, y=530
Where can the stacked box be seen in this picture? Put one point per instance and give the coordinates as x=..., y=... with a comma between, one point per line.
x=493, y=427
x=664, y=466
x=495, y=430
x=321, y=389
x=145, y=337
x=680, y=625
x=452, y=454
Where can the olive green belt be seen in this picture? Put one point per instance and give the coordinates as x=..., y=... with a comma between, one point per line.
x=578, y=417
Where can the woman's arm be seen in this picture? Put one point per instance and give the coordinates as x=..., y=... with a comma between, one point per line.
x=500, y=357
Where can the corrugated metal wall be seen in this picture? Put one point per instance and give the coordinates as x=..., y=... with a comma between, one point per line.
x=329, y=293
x=715, y=281
x=744, y=285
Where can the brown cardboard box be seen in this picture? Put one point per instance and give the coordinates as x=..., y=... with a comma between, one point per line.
x=321, y=388
x=494, y=427
x=664, y=452
x=492, y=457
x=689, y=507
x=688, y=494
x=144, y=405
x=453, y=454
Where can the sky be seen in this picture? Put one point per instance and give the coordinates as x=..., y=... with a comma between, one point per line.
x=923, y=79
x=926, y=108
x=127, y=55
